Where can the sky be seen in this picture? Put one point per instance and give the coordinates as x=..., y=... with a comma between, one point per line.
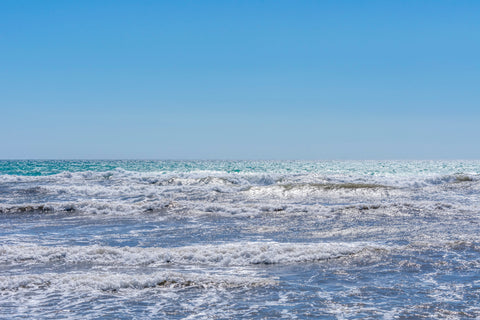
x=239, y=79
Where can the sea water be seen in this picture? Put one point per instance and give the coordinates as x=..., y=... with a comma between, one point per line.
x=239, y=239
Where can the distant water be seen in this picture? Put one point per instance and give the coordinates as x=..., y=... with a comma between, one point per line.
x=239, y=239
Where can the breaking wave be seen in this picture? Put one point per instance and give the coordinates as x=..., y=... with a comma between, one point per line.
x=105, y=281
x=229, y=254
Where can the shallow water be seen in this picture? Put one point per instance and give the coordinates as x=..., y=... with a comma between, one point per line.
x=239, y=239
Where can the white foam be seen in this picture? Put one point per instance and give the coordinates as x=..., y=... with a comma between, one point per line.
x=247, y=194
x=329, y=191
x=229, y=254
x=114, y=281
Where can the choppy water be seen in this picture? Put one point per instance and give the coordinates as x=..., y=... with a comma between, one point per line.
x=244, y=239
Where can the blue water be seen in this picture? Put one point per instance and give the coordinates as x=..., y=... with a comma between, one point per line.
x=239, y=239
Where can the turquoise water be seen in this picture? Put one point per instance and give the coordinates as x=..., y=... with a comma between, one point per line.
x=239, y=239
x=49, y=167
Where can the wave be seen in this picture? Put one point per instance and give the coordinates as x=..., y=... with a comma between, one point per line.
x=121, y=192
x=112, y=282
x=158, y=178
x=451, y=178
x=229, y=254
x=331, y=190
x=89, y=207
x=394, y=209
x=34, y=208
x=317, y=180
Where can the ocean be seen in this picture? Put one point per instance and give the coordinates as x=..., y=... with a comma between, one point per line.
x=239, y=239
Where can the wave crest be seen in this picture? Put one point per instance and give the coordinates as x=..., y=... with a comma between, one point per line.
x=229, y=254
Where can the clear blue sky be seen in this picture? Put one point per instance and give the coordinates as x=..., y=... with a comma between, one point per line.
x=240, y=79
